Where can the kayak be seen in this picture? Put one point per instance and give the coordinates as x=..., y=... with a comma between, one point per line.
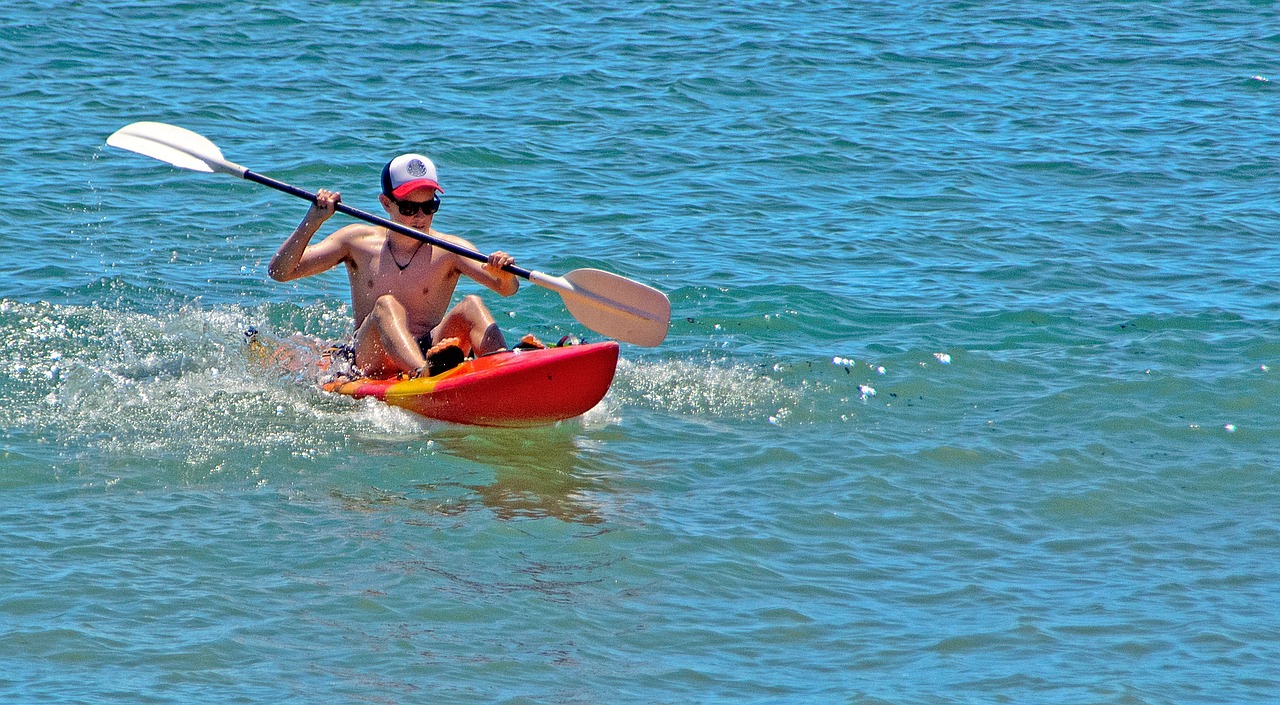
x=514, y=388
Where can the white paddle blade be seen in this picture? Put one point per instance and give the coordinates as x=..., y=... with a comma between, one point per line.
x=612, y=305
x=175, y=145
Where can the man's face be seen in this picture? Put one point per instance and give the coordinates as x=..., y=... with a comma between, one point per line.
x=416, y=209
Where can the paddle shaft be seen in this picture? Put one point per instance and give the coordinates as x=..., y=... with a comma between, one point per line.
x=384, y=222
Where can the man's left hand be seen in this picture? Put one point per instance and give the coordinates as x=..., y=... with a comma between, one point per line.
x=498, y=260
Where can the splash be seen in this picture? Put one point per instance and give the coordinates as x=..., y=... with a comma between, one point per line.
x=715, y=388
x=173, y=387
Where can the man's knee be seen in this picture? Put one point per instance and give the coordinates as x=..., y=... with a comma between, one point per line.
x=387, y=307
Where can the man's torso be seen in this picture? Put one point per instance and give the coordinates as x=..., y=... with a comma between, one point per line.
x=422, y=280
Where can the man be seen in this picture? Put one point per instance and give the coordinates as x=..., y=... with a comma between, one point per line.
x=400, y=286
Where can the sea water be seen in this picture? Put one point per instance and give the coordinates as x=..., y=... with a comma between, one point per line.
x=970, y=394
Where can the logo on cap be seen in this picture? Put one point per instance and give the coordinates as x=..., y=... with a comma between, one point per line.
x=416, y=168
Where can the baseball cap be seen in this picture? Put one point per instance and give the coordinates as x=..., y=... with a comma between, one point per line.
x=408, y=172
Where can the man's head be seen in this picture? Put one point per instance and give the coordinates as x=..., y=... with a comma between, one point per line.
x=409, y=181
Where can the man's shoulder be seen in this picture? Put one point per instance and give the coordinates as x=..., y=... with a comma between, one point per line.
x=356, y=234
x=357, y=230
x=454, y=239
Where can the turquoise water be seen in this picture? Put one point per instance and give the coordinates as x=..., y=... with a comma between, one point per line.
x=970, y=394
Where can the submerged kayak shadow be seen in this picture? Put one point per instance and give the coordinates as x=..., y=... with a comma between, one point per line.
x=541, y=473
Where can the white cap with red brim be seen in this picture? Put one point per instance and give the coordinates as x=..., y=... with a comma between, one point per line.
x=408, y=173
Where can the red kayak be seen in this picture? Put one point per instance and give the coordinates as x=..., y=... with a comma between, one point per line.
x=510, y=388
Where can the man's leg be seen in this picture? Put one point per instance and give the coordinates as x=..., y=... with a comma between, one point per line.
x=383, y=343
x=471, y=321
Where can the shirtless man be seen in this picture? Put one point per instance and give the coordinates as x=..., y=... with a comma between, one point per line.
x=400, y=286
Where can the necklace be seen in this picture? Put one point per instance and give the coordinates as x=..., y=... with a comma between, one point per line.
x=404, y=266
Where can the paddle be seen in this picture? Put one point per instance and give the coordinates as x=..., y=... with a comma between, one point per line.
x=608, y=304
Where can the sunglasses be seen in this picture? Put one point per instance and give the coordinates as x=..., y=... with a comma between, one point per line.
x=412, y=207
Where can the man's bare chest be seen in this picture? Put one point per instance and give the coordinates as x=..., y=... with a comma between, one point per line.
x=420, y=278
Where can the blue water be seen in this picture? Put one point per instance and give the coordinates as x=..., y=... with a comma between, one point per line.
x=970, y=393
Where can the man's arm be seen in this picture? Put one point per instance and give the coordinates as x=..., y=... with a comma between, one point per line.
x=295, y=259
x=491, y=273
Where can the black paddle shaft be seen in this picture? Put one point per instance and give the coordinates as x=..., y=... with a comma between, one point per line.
x=379, y=220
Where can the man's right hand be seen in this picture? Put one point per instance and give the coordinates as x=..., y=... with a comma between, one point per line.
x=324, y=206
